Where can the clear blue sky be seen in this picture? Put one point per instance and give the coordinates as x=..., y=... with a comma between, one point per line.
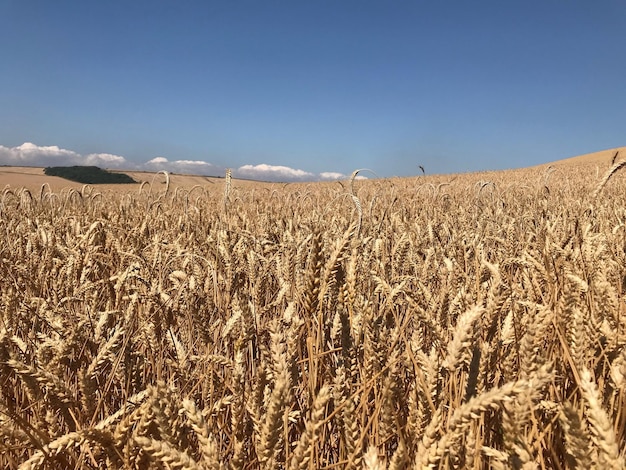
x=321, y=86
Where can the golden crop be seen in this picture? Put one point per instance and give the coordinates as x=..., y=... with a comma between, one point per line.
x=474, y=322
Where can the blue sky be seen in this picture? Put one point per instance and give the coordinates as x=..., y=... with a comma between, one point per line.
x=324, y=87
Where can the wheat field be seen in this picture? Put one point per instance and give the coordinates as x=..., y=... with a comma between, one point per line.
x=471, y=321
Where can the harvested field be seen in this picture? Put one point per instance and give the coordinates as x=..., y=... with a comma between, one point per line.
x=32, y=178
x=18, y=177
x=465, y=321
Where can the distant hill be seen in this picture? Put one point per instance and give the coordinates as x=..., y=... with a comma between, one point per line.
x=601, y=157
x=88, y=175
x=34, y=177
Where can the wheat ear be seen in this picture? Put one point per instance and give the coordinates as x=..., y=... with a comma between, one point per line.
x=465, y=414
x=616, y=167
x=303, y=452
x=208, y=446
x=165, y=453
x=601, y=427
x=576, y=436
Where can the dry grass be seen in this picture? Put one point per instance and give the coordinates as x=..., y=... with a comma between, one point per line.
x=438, y=322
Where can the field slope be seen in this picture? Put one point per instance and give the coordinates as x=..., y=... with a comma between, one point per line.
x=32, y=177
x=601, y=157
x=461, y=321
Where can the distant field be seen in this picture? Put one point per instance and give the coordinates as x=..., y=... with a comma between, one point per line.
x=33, y=178
x=473, y=321
x=603, y=157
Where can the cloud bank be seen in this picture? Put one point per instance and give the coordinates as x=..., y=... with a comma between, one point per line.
x=29, y=154
x=192, y=167
x=273, y=173
x=331, y=175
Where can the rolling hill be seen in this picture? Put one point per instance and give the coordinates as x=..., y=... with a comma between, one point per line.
x=32, y=178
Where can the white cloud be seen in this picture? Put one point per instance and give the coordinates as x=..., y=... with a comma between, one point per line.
x=332, y=175
x=267, y=172
x=181, y=166
x=29, y=154
x=192, y=162
x=157, y=160
x=106, y=160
